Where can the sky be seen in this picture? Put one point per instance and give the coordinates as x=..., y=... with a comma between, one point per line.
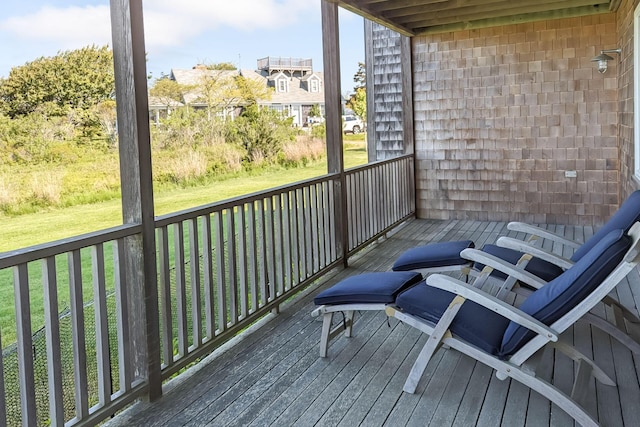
x=181, y=34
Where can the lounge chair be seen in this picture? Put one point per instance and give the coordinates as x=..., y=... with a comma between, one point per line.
x=505, y=337
x=547, y=266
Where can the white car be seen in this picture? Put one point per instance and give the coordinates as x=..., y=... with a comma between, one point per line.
x=352, y=124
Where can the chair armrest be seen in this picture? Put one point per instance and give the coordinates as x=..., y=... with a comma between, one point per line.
x=509, y=269
x=541, y=232
x=455, y=286
x=536, y=251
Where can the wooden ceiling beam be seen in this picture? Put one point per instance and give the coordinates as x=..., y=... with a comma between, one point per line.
x=405, y=31
x=495, y=10
x=514, y=19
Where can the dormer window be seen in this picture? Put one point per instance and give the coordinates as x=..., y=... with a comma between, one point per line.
x=314, y=86
x=282, y=84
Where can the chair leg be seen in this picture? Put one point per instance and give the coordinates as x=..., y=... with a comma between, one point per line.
x=348, y=323
x=613, y=330
x=529, y=379
x=584, y=362
x=326, y=331
x=440, y=332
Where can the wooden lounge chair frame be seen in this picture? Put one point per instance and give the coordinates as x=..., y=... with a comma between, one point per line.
x=515, y=366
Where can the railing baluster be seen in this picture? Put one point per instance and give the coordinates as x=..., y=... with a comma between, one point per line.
x=208, y=283
x=232, y=273
x=370, y=174
x=351, y=202
x=166, y=315
x=270, y=248
x=52, y=331
x=102, y=327
x=220, y=272
x=242, y=261
x=3, y=397
x=294, y=238
x=315, y=244
x=262, y=252
x=332, y=210
x=181, y=289
x=326, y=214
x=359, y=225
x=125, y=362
x=252, y=257
x=78, y=334
x=278, y=243
x=194, y=264
x=286, y=242
x=377, y=209
x=25, y=345
x=308, y=233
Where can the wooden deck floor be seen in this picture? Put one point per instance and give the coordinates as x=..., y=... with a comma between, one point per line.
x=273, y=376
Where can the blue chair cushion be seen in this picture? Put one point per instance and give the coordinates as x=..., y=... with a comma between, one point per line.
x=441, y=254
x=376, y=287
x=559, y=296
x=627, y=215
x=474, y=323
x=541, y=268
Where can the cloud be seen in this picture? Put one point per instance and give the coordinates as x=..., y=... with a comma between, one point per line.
x=65, y=26
x=167, y=22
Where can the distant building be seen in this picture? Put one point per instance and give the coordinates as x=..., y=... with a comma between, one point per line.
x=296, y=87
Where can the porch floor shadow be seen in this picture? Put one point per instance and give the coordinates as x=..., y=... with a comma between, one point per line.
x=274, y=376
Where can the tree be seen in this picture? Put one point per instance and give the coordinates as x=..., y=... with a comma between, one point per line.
x=358, y=103
x=220, y=66
x=221, y=90
x=358, y=100
x=360, y=77
x=169, y=91
x=261, y=132
x=76, y=79
x=315, y=111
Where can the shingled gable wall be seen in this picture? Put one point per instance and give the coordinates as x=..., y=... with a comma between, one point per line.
x=502, y=113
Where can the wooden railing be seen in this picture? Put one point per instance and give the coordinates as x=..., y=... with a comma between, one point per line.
x=220, y=268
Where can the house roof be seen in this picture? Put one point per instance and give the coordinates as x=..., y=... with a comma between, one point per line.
x=195, y=77
x=297, y=93
x=418, y=17
x=157, y=102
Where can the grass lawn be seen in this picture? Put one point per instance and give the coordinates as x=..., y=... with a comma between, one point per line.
x=55, y=224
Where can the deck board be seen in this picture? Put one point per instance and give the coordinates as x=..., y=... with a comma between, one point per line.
x=273, y=376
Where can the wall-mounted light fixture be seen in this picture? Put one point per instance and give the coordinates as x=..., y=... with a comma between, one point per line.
x=603, y=58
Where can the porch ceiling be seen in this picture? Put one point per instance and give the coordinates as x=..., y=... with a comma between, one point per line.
x=419, y=17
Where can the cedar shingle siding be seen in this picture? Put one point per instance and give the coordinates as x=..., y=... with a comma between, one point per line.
x=502, y=113
x=387, y=135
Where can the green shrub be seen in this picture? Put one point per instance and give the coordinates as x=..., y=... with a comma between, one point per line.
x=261, y=132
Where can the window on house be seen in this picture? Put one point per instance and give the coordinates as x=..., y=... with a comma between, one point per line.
x=314, y=85
x=636, y=91
x=282, y=85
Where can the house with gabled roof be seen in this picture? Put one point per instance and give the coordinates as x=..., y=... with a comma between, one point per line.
x=296, y=87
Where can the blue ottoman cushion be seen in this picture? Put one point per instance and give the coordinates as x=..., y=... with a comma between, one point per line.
x=376, y=287
x=433, y=255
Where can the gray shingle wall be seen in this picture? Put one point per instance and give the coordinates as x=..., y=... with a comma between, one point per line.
x=387, y=92
x=502, y=113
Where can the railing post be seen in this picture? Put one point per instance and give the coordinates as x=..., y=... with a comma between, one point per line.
x=333, y=116
x=137, y=188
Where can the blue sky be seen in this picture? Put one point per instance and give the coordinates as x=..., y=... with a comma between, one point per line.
x=181, y=34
